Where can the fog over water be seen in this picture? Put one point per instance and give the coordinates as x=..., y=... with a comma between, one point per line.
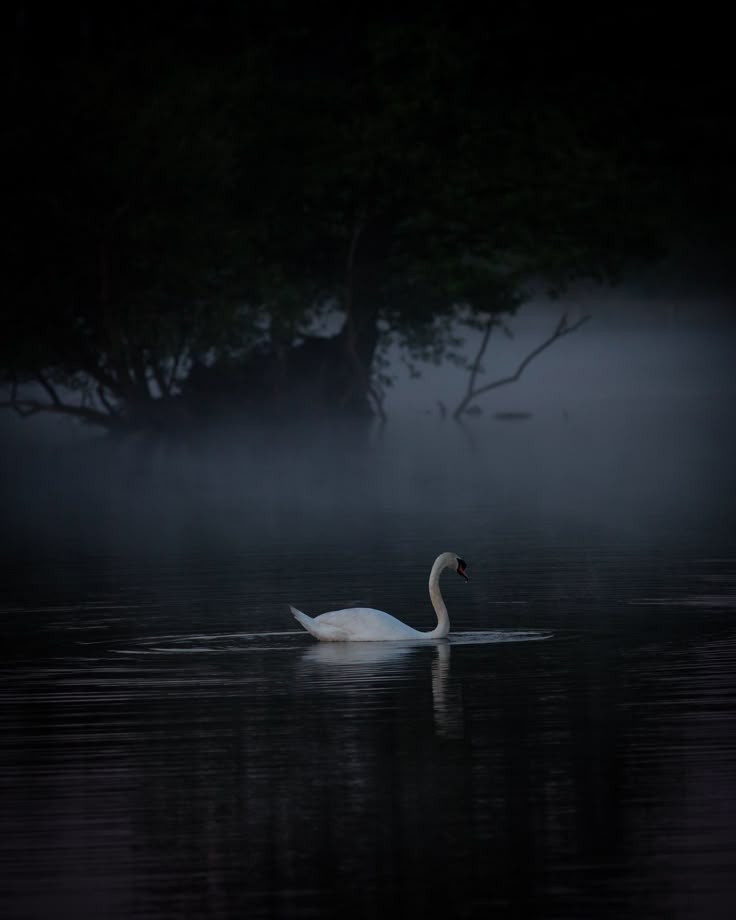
x=624, y=423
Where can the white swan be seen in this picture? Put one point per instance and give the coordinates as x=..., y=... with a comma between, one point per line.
x=363, y=624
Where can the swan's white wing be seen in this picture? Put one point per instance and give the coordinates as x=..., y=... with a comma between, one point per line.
x=360, y=624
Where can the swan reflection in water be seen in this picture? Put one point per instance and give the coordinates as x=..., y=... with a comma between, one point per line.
x=362, y=664
x=447, y=699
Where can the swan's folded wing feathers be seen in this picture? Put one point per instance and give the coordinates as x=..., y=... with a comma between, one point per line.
x=307, y=622
x=362, y=624
x=328, y=630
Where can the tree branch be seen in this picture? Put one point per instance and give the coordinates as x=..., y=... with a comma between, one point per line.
x=475, y=369
x=350, y=338
x=102, y=396
x=160, y=377
x=26, y=407
x=91, y=366
x=53, y=395
x=175, y=366
x=138, y=369
x=111, y=327
x=562, y=329
x=376, y=393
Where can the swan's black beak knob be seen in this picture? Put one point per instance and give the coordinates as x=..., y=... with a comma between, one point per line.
x=461, y=566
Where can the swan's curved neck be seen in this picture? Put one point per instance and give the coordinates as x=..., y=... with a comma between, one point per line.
x=443, y=620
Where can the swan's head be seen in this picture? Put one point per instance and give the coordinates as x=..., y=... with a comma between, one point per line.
x=461, y=566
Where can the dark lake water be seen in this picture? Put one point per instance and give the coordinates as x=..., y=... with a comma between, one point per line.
x=172, y=744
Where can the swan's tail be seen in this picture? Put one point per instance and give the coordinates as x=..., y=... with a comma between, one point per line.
x=302, y=618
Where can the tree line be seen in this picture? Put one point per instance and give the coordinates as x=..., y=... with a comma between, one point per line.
x=232, y=215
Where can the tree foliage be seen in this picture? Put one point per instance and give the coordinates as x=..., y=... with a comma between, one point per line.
x=229, y=213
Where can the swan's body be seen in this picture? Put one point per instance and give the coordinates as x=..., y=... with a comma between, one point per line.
x=364, y=624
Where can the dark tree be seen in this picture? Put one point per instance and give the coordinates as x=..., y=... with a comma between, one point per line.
x=228, y=215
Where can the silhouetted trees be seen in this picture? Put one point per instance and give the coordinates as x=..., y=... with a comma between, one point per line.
x=230, y=213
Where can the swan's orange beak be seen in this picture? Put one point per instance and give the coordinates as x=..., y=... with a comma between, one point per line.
x=461, y=571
